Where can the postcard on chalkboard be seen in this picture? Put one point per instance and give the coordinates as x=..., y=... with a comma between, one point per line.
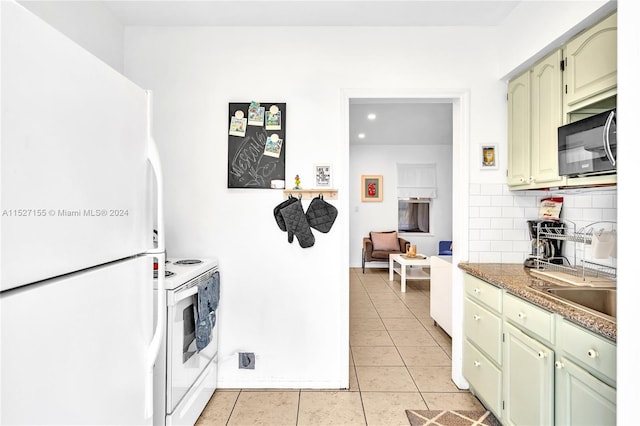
x=273, y=146
x=256, y=114
x=238, y=126
x=274, y=120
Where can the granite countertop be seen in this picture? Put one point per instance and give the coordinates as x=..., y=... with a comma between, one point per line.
x=516, y=279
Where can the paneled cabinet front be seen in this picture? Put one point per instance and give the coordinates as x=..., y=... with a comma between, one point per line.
x=482, y=347
x=530, y=366
x=528, y=380
x=534, y=114
x=582, y=399
x=591, y=65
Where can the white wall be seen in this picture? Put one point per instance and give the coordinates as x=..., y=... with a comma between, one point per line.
x=88, y=23
x=383, y=216
x=288, y=305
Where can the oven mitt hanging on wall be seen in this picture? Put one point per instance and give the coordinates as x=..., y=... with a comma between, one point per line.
x=321, y=214
x=278, y=215
x=296, y=223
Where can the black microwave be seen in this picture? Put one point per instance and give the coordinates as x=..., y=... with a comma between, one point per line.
x=588, y=146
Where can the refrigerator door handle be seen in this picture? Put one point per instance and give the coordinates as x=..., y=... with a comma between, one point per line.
x=160, y=254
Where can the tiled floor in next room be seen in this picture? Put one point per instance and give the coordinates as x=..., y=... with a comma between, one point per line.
x=399, y=360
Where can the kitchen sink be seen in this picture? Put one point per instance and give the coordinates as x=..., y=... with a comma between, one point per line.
x=600, y=300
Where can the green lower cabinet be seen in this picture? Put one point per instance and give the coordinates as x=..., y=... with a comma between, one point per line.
x=528, y=368
x=582, y=399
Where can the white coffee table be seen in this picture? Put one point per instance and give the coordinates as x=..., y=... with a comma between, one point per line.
x=407, y=270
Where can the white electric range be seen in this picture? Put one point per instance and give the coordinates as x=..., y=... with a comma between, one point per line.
x=184, y=378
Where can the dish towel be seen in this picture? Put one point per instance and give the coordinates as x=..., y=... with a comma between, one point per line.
x=208, y=298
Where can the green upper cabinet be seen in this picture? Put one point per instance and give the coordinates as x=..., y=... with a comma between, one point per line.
x=573, y=82
x=591, y=65
x=519, y=128
x=546, y=117
x=535, y=112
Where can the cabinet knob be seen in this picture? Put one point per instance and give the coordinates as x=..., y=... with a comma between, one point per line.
x=521, y=315
x=476, y=363
x=542, y=354
x=592, y=353
x=559, y=365
x=476, y=290
x=476, y=317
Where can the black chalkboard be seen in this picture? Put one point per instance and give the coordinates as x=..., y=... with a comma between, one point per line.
x=255, y=157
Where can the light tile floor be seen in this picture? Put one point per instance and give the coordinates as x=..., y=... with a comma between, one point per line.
x=399, y=360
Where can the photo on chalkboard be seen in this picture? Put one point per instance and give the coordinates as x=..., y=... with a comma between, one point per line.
x=273, y=146
x=238, y=126
x=256, y=114
x=274, y=120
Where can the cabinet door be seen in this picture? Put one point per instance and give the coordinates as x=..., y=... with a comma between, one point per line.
x=528, y=380
x=546, y=116
x=519, y=130
x=591, y=64
x=582, y=399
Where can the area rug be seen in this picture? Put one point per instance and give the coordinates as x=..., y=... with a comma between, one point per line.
x=451, y=418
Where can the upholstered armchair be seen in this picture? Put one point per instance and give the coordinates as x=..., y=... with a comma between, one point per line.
x=379, y=245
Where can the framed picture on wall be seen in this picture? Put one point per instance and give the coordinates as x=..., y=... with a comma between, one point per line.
x=371, y=188
x=489, y=158
x=323, y=176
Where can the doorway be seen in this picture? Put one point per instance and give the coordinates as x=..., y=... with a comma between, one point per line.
x=459, y=101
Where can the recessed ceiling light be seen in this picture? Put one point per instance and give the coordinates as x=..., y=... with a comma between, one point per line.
x=371, y=116
x=361, y=135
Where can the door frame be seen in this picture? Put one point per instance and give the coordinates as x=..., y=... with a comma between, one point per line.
x=459, y=99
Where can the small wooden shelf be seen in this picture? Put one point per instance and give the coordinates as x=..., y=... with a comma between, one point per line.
x=308, y=194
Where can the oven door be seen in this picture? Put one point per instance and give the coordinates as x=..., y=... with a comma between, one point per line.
x=184, y=362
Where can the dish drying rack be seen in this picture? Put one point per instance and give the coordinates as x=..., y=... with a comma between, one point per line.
x=581, y=237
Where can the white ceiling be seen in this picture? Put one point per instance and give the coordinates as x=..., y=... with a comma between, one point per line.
x=400, y=122
x=311, y=12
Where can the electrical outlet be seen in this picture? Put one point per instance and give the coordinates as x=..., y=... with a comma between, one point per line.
x=247, y=360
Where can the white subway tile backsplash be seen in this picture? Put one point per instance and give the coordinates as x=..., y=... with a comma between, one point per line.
x=604, y=201
x=497, y=218
x=514, y=234
x=489, y=257
x=513, y=257
x=502, y=246
x=610, y=214
x=515, y=212
x=502, y=200
x=491, y=189
x=502, y=223
x=479, y=223
x=491, y=212
x=582, y=201
x=479, y=200
x=488, y=234
x=474, y=189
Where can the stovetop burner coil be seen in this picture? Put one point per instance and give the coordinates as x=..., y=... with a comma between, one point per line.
x=188, y=262
x=166, y=274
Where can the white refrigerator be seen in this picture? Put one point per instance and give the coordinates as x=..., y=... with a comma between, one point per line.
x=79, y=171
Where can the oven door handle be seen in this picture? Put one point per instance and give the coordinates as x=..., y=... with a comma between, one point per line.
x=175, y=298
